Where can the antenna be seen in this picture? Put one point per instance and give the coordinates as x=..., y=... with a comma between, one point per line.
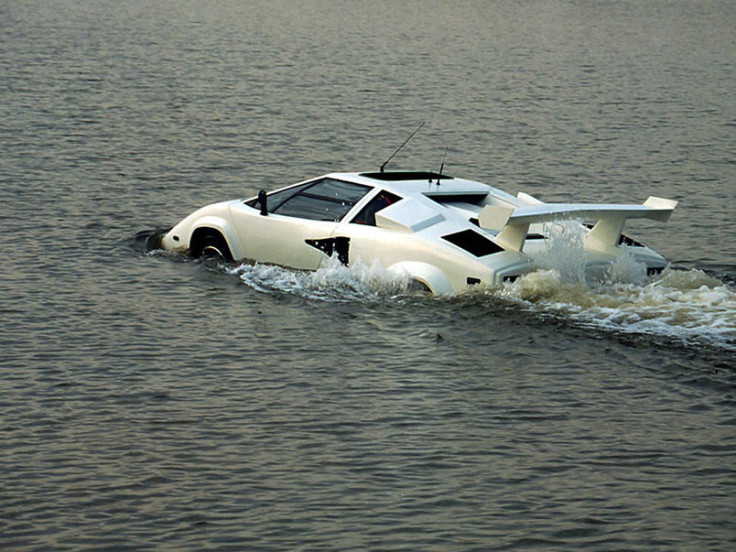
x=401, y=146
x=442, y=166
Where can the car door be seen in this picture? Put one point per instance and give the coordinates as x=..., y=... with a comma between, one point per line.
x=298, y=231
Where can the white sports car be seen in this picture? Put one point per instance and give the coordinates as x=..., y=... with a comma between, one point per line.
x=443, y=233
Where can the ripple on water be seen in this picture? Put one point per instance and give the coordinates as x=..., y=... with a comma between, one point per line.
x=684, y=306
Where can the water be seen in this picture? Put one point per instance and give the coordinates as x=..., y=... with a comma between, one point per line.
x=151, y=402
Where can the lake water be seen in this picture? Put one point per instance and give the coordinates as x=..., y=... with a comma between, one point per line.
x=154, y=403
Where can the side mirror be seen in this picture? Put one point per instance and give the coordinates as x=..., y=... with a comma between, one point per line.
x=263, y=202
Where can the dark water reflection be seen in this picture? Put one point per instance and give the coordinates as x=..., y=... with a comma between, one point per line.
x=150, y=403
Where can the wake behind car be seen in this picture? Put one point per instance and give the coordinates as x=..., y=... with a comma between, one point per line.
x=442, y=233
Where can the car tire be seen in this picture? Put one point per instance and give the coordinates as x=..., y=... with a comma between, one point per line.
x=209, y=244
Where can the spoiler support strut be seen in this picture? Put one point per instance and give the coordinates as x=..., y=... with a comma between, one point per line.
x=512, y=223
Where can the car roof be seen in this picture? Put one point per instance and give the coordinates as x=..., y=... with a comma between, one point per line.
x=409, y=182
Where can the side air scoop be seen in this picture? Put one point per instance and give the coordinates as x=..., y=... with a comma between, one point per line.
x=408, y=216
x=512, y=224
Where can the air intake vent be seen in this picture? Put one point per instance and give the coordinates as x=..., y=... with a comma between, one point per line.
x=473, y=242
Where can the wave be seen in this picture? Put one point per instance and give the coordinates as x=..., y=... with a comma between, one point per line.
x=334, y=282
x=689, y=306
x=684, y=306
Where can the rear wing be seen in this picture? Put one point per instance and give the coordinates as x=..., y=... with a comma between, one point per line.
x=512, y=223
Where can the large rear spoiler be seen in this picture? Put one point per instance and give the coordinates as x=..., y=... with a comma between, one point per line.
x=512, y=223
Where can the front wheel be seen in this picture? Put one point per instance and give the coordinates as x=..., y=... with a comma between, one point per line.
x=210, y=244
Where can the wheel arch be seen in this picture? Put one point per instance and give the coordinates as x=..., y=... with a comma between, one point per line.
x=426, y=274
x=221, y=227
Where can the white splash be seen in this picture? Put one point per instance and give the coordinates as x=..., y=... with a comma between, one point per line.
x=686, y=304
x=564, y=250
x=626, y=270
x=332, y=282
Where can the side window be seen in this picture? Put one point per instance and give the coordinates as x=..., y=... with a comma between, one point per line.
x=367, y=214
x=326, y=199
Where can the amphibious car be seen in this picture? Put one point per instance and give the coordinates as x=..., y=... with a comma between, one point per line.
x=442, y=233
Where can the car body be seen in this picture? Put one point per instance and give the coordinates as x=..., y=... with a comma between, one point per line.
x=443, y=233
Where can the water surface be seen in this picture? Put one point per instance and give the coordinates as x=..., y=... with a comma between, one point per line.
x=150, y=402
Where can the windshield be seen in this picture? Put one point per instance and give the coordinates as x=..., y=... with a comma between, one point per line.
x=326, y=199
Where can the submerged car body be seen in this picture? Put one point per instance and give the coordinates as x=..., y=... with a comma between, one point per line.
x=442, y=232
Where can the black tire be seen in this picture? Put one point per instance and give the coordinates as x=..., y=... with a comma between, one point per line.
x=209, y=244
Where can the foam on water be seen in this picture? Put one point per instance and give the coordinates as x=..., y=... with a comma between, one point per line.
x=333, y=282
x=686, y=305
x=689, y=306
